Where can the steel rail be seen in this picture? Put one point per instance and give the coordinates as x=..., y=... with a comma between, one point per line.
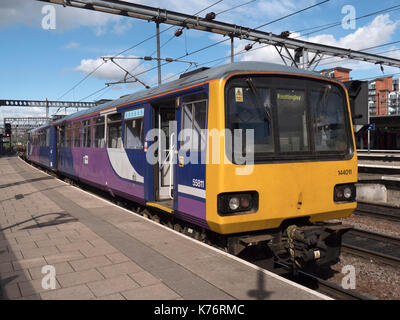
x=375, y=236
x=369, y=254
x=235, y=31
x=378, y=211
x=329, y=288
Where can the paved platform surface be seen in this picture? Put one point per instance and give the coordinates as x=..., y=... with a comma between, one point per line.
x=101, y=251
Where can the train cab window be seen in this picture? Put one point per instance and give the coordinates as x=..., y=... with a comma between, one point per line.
x=77, y=137
x=87, y=134
x=134, y=133
x=292, y=123
x=328, y=120
x=194, y=120
x=68, y=136
x=114, y=137
x=99, y=132
x=250, y=113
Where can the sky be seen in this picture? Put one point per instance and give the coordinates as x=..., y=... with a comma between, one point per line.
x=57, y=63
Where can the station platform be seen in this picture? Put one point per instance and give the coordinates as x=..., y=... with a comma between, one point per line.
x=379, y=159
x=102, y=251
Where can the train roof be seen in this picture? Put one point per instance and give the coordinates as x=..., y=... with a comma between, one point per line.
x=193, y=79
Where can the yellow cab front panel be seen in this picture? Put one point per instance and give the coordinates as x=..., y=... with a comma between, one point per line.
x=286, y=188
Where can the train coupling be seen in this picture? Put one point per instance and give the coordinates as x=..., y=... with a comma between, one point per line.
x=313, y=245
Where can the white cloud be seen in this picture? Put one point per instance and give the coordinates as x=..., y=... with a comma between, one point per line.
x=110, y=71
x=29, y=12
x=255, y=13
x=378, y=32
x=72, y=45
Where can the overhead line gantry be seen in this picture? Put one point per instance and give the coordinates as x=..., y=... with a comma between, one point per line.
x=281, y=42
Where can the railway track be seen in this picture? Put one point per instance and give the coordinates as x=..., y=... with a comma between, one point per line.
x=378, y=211
x=370, y=245
x=328, y=288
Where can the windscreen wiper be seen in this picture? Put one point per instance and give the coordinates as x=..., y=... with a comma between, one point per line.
x=253, y=88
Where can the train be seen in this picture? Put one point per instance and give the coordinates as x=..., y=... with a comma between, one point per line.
x=248, y=154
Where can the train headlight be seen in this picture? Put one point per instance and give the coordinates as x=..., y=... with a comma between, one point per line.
x=232, y=203
x=344, y=193
x=347, y=193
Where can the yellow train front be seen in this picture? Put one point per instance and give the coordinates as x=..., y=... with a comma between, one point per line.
x=281, y=161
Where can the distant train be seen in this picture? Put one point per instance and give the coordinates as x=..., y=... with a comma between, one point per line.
x=283, y=136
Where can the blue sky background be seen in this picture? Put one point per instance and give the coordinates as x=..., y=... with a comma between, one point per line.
x=38, y=64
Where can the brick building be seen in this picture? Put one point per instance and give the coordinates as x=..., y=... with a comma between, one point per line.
x=337, y=73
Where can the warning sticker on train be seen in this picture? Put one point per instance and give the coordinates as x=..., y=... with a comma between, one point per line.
x=239, y=94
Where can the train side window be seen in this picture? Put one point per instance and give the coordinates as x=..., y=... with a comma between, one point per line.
x=114, y=134
x=99, y=132
x=134, y=133
x=77, y=137
x=48, y=137
x=61, y=137
x=194, y=118
x=87, y=136
x=68, y=136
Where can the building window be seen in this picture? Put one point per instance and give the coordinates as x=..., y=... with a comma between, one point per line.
x=114, y=137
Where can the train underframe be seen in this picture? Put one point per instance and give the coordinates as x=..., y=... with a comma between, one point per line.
x=301, y=245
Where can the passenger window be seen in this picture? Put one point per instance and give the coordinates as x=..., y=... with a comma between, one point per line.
x=194, y=118
x=114, y=131
x=87, y=134
x=99, y=132
x=61, y=136
x=77, y=137
x=48, y=137
x=68, y=136
x=134, y=133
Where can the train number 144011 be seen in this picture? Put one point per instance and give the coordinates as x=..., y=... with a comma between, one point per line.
x=345, y=172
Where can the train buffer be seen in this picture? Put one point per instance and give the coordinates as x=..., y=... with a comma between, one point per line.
x=101, y=251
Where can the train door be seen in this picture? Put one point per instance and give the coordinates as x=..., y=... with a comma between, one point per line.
x=191, y=167
x=165, y=122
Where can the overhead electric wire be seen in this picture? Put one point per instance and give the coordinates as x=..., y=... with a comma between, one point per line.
x=281, y=18
x=141, y=42
x=292, y=14
x=370, y=48
x=393, y=8
x=235, y=7
x=338, y=23
x=170, y=27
